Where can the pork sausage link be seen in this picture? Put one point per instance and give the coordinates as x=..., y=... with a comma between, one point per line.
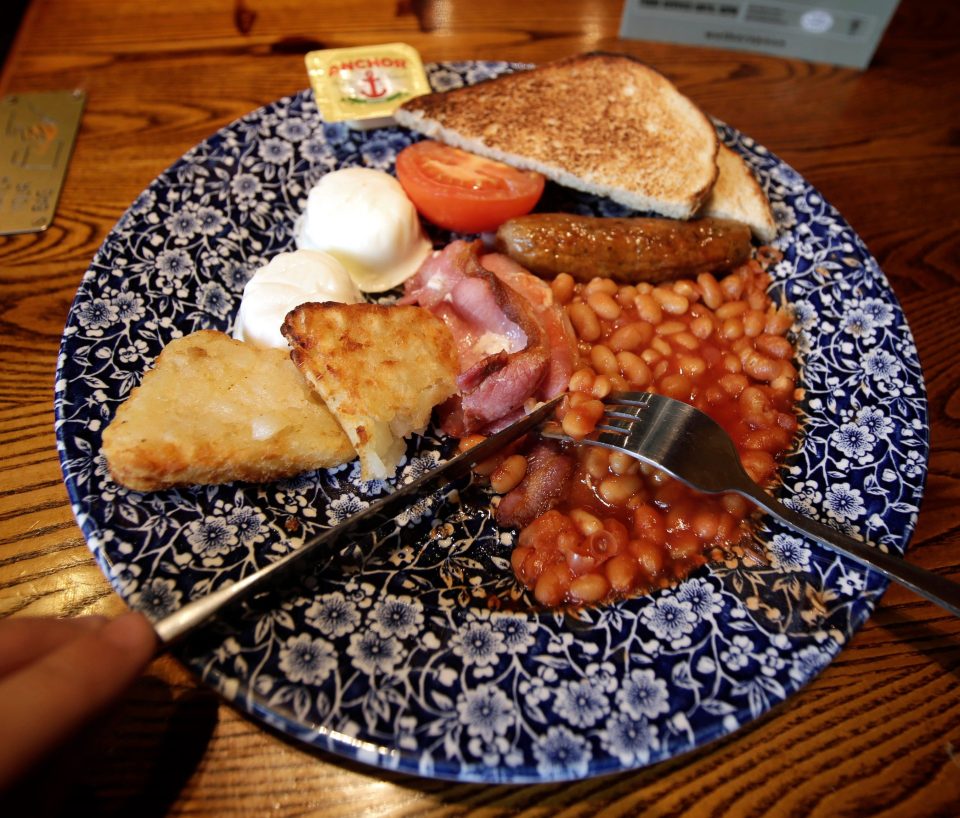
x=626, y=249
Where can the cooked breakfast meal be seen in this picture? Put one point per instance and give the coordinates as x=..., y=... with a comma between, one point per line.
x=542, y=304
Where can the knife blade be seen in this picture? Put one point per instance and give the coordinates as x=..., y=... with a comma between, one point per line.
x=185, y=619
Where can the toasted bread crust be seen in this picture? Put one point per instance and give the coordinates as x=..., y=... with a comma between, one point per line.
x=380, y=369
x=632, y=136
x=214, y=410
x=737, y=195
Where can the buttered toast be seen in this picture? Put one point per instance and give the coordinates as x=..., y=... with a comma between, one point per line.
x=738, y=196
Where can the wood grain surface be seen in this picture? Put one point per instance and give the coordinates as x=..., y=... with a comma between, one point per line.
x=878, y=733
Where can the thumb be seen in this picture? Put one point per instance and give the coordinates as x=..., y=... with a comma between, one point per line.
x=45, y=702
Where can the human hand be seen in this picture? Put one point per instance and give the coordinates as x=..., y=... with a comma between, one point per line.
x=57, y=674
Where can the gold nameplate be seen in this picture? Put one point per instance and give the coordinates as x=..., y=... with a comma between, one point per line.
x=36, y=137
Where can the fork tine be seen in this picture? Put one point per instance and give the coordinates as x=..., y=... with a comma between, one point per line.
x=614, y=423
x=628, y=398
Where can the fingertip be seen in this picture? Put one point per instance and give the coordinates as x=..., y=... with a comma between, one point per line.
x=92, y=622
x=132, y=633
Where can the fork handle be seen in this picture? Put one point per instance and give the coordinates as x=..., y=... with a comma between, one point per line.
x=934, y=587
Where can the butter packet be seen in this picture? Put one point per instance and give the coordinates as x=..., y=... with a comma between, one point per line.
x=363, y=86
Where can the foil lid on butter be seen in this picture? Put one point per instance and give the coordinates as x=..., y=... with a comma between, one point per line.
x=365, y=85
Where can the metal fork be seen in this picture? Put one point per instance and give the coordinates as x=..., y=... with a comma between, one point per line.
x=689, y=445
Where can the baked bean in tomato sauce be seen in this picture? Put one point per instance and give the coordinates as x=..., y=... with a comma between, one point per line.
x=625, y=528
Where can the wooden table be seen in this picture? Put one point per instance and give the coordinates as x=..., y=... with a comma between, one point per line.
x=877, y=733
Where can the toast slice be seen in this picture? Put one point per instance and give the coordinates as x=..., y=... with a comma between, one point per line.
x=214, y=410
x=380, y=369
x=737, y=195
x=601, y=123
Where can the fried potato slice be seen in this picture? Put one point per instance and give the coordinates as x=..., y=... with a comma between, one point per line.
x=380, y=369
x=214, y=410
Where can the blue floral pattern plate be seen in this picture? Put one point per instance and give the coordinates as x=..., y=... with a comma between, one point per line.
x=389, y=652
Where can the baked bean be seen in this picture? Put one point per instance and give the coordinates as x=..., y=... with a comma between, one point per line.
x=626, y=295
x=713, y=395
x=562, y=287
x=468, y=442
x=602, y=386
x=705, y=524
x=778, y=321
x=671, y=302
x=576, y=399
x=731, y=329
x=769, y=438
x=649, y=556
x=753, y=323
x=580, y=420
x=604, y=306
x=684, y=544
x=487, y=467
x=787, y=370
x=732, y=287
x=735, y=504
x=753, y=400
x=685, y=340
x=733, y=384
x=508, y=474
x=731, y=363
x=676, y=386
x=679, y=517
x=648, y=523
x=687, y=289
x=596, y=461
x=727, y=527
x=670, y=327
x=586, y=522
x=741, y=346
x=760, y=367
x=553, y=584
x=601, y=285
x=635, y=369
x=603, y=360
x=630, y=336
x=660, y=369
x=589, y=588
x=518, y=558
x=661, y=346
x=648, y=308
x=651, y=356
x=757, y=299
x=776, y=346
x=617, y=489
x=622, y=463
x=581, y=380
x=692, y=365
x=712, y=294
x=758, y=464
x=621, y=572
x=787, y=421
x=731, y=309
x=585, y=321
x=702, y=327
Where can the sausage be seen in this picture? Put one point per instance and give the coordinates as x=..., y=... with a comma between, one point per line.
x=626, y=249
